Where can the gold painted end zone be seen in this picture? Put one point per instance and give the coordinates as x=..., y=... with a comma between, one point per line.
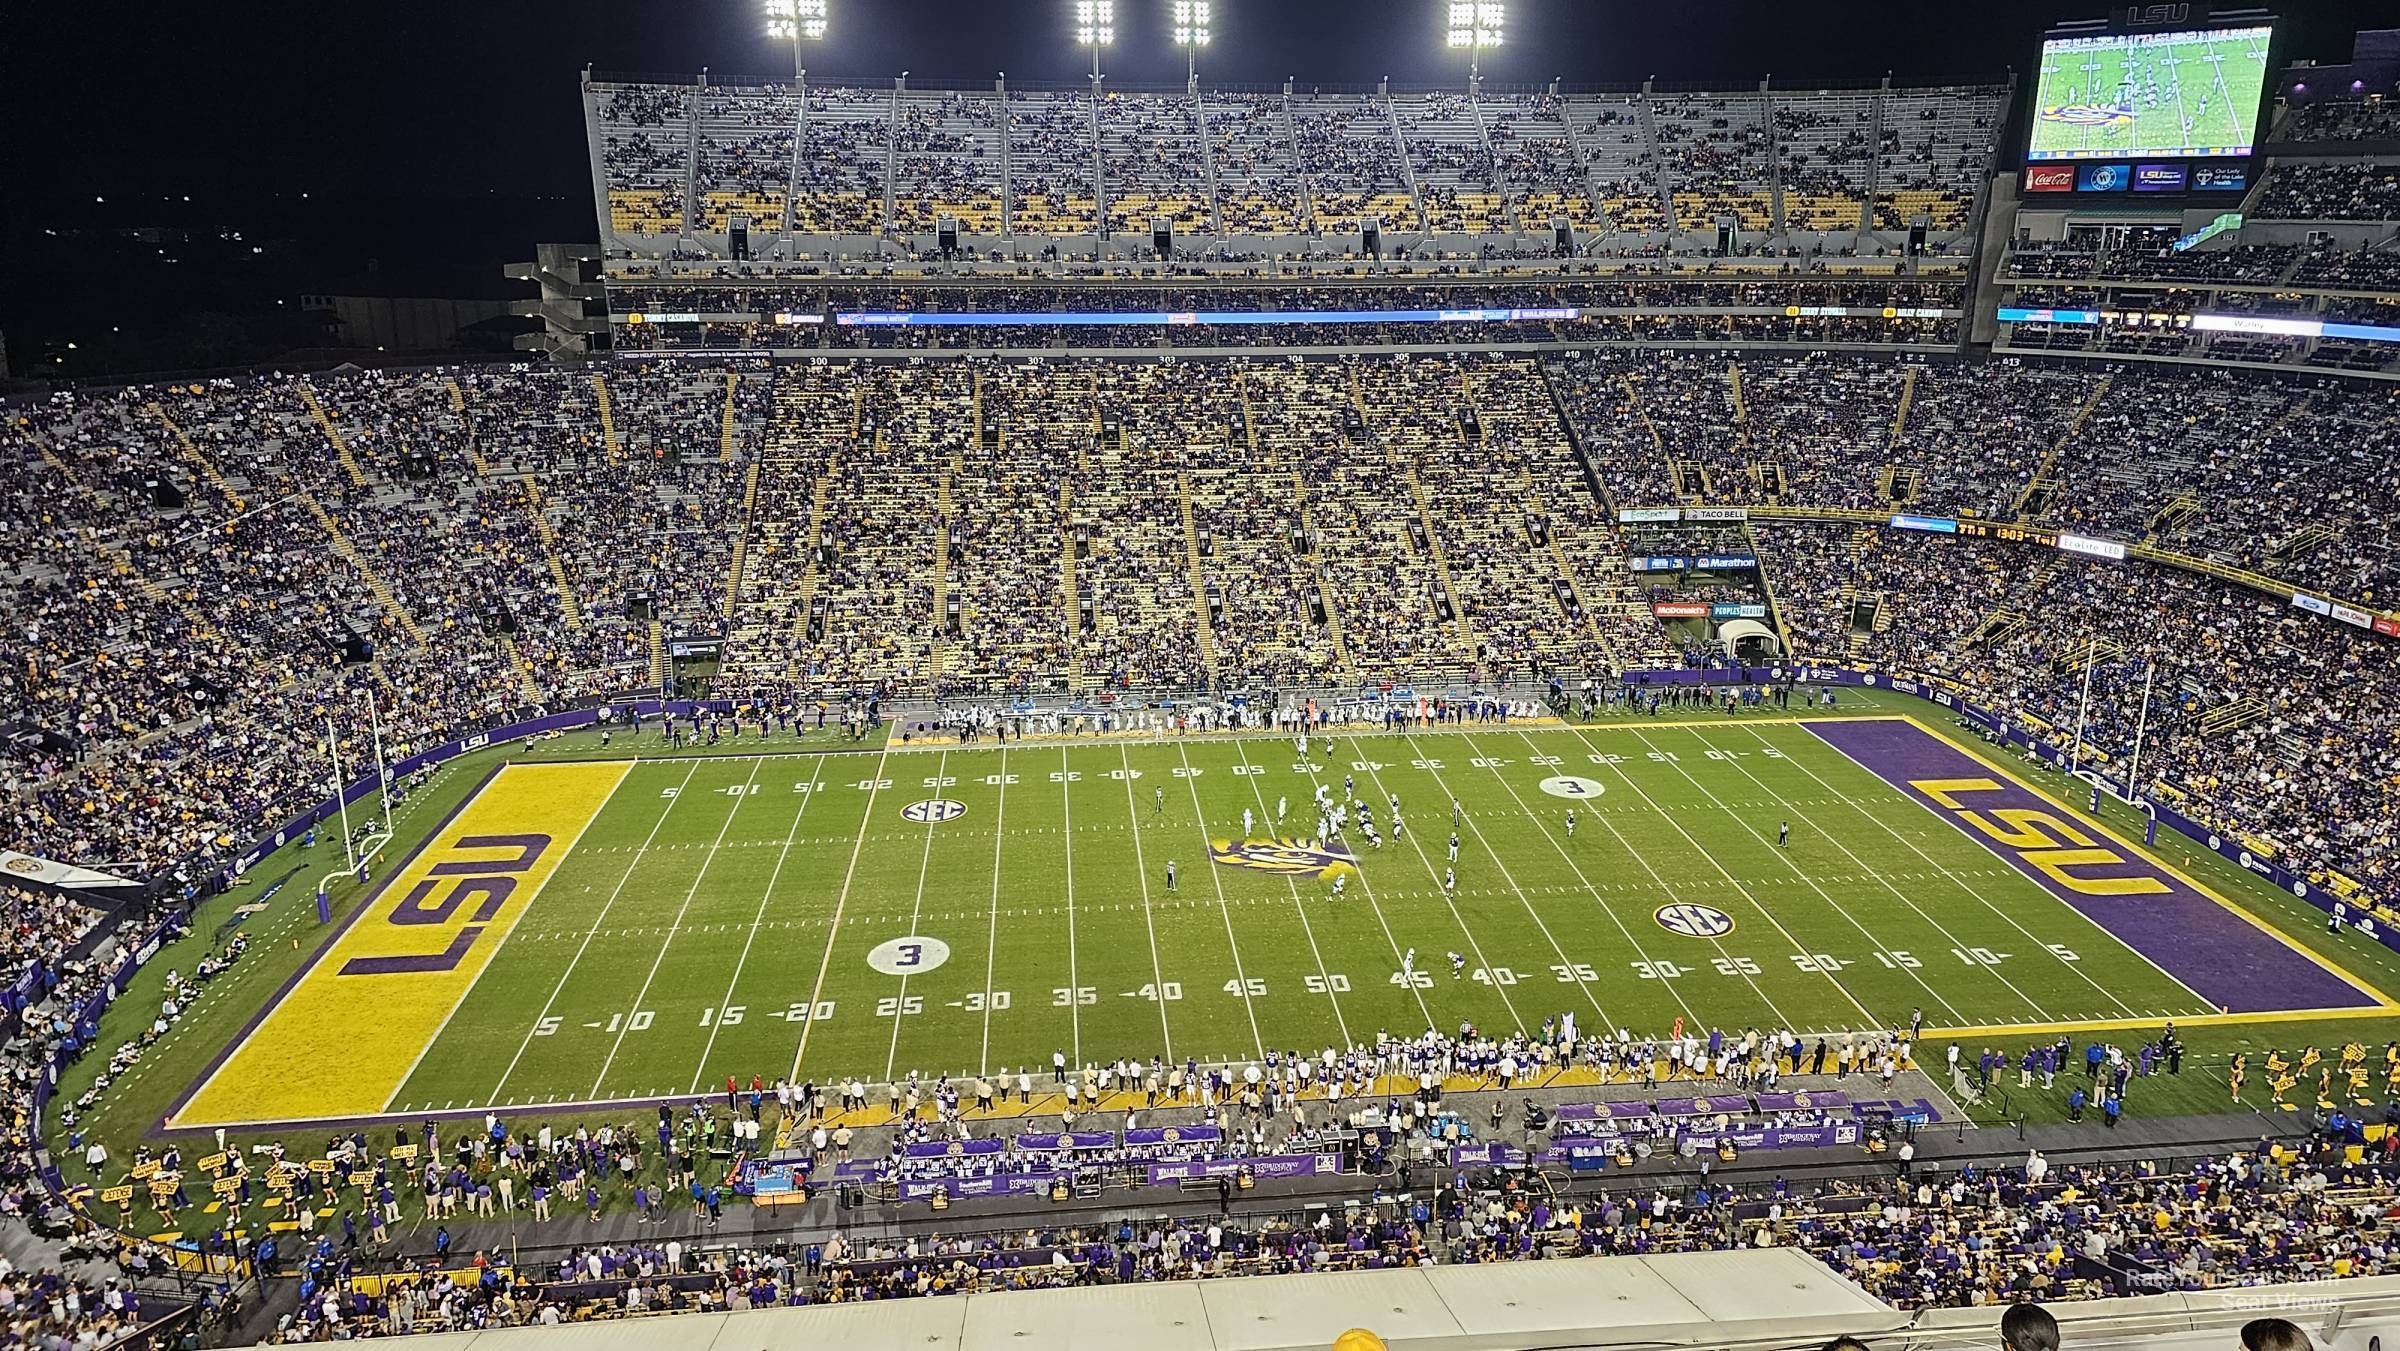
x=343, y=1039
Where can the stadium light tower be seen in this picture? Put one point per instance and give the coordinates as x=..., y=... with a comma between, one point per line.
x=796, y=21
x=1475, y=25
x=1192, y=25
x=1095, y=27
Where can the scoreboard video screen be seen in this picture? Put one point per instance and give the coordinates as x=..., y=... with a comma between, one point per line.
x=2128, y=96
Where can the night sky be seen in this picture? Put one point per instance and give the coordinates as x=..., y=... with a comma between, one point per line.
x=450, y=133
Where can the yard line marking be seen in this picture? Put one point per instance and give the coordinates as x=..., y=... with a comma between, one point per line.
x=916, y=908
x=1225, y=909
x=2003, y=913
x=1141, y=870
x=597, y=921
x=1297, y=906
x=765, y=898
x=1066, y=806
x=840, y=900
x=991, y=937
x=1474, y=944
x=1917, y=973
x=1718, y=944
x=699, y=875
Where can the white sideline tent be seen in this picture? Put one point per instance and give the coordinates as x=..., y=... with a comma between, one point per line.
x=1755, y=1300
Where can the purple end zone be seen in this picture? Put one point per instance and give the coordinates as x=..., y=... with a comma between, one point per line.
x=2227, y=960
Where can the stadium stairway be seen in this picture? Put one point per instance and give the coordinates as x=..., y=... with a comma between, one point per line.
x=568, y=605
x=206, y=466
x=366, y=571
x=1908, y=392
x=1441, y=560
x=528, y=688
x=733, y=383
x=944, y=511
x=608, y=420
x=2043, y=483
x=1069, y=597
x=741, y=542
x=1308, y=532
x=341, y=446
x=1199, y=582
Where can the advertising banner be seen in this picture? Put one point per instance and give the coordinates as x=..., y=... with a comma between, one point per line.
x=2050, y=178
x=2158, y=178
x=1649, y=515
x=2221, y=177
x=1680, y=609
x=2102, y=177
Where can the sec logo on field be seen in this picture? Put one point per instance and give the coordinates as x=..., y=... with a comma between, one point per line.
x=1694, y=921
x=934, y=809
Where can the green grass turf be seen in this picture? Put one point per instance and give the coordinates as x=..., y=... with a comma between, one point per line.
x=1252, y=956
x=2232, y=85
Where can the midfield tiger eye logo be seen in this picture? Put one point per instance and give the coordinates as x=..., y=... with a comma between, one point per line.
x=1293, y=858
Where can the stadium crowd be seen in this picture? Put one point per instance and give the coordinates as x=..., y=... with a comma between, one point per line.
x=1923, y=1238
x=464, y=547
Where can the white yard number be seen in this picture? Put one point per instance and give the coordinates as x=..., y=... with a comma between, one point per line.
x=1184, y=772
x=2062, y=952
x=1422, y=980
x=1736, y=966
x=892, y=1006
x=1495, y=975
x=1605, y=758
x=1425, y=764
x=1061, y=997
x=1249, y=769
x=998, y=780
x=730, y=1016
x=872, y=785
x=1162, y=993
x=804, y=787
x=1251, y=988
x=739, y=789
x=941, y=781
x=1574, y=973
x=1977, y=956
x=1328, y=984
x=639, y=1021
x=1066, y=776
x=804, y=1013
x=1487, y=762
x=1657, y=970
x=1544, y=760
x=1818, y=961
x=546, y=1027
x=670, y=790
x=987, y=1001
x=1898, y=959
x=1124, y=774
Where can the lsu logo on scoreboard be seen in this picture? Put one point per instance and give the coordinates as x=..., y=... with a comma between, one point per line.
x=2089, y=115
x=1293, y=858
x=2060, y=849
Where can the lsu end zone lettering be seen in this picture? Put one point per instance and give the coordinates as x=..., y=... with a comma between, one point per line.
x=347, y=1032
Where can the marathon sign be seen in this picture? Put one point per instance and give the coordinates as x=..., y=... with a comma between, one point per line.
x=1726, y=562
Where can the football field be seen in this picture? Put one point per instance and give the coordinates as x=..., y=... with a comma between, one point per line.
x=2145, y=98
x=610, y=931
